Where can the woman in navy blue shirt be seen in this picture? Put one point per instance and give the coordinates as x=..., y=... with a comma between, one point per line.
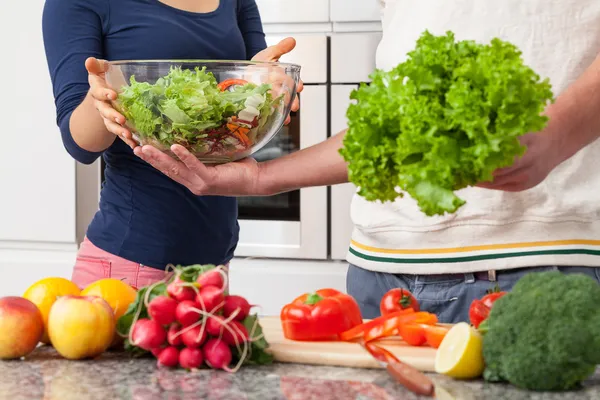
x=145, y=220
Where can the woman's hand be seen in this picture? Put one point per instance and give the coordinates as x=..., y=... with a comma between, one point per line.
x=273, y=54
x=102, y=95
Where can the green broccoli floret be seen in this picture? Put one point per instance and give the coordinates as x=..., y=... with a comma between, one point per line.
x=545, y=334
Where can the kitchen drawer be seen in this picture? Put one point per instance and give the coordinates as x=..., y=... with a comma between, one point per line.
x=293, y=11
x=355, y=10
x=353, y=56
x=310, y=53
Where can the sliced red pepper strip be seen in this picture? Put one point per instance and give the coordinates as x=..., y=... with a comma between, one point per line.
x=381, y=354
x=413, y=334
x=230, y=82
x=434, y=335
x=360, y=330
x=390, y=326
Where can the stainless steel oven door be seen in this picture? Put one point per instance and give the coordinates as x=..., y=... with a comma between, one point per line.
x=293, y=224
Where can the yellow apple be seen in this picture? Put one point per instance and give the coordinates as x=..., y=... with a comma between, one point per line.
x=81, y=326
x=21, y=327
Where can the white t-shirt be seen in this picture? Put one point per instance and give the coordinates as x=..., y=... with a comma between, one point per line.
x=555, y=223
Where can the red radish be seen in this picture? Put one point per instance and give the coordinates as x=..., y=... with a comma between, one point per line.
x=211, y=278
x=185, y=314
x=214, y=325
x=233, y=303
x=237, y=334
x=162, y=310
x=190, y=358
x=210, y=298
x=194, y=337
x=156, y=352
x=148, y=334
x=217, y=354
x=169, y=357
x=179, y=292
x=172, y=335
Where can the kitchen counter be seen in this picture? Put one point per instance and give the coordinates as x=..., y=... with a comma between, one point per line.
x=113, y=376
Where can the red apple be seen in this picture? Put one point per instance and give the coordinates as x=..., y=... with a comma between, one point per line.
x=21, y=327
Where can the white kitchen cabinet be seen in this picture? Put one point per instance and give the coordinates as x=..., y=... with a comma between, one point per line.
x=37, y=176
x=355, y=10
x=293, y=11
x=37, y=203
x=310, y=53
x=353, y=56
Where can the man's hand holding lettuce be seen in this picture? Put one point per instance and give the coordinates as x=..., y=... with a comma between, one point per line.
x=446, y=118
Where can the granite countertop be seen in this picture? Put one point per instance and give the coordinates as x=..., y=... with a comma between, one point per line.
x=113, y=376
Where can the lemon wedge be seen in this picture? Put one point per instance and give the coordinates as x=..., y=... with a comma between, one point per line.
x=460, y=354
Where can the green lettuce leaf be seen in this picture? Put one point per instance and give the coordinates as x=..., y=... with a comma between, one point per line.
x=444, y=119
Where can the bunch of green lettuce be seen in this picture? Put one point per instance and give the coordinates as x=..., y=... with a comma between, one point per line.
x=444, y=119
x=185, y=102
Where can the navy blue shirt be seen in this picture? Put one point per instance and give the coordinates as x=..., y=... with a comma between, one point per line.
x=143, y=215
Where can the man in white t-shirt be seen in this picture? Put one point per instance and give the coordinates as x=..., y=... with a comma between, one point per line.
x=542, y=213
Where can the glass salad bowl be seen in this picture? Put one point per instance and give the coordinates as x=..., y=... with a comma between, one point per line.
x=221, y=111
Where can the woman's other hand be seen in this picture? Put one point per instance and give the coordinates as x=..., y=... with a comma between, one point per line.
x=102, y=95
x=273, y=54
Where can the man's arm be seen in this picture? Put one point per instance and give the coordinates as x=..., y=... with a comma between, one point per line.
x=574, y=123
x=575, y=116
x=318, y=165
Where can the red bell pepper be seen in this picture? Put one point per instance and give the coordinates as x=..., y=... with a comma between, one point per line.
x=322, y=315
x=480, y=308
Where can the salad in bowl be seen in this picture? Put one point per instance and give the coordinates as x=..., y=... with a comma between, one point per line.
x=220, y=111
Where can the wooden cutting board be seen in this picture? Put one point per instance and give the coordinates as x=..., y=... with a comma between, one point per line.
x=340, y=354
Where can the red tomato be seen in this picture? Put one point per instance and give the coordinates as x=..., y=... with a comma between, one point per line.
x=397, y=300
x=480, y=308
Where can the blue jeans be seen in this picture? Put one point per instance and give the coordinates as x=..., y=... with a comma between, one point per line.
x=448, y=296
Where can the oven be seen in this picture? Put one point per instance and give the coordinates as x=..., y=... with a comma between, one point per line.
x=293, y=224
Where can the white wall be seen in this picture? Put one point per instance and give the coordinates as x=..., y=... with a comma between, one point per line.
x=37, y=176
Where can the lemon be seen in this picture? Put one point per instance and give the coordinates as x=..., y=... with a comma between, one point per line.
x=44, y=293
x=460, y=354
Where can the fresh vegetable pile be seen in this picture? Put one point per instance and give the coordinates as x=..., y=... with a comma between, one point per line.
x=329, y=314
x=190, y=108
x=190, y=320
x=545, y=334
x=444, y=119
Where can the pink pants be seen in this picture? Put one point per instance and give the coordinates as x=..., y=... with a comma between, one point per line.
x=93, y=264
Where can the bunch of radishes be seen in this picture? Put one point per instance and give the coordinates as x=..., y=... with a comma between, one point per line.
x=195, y=323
